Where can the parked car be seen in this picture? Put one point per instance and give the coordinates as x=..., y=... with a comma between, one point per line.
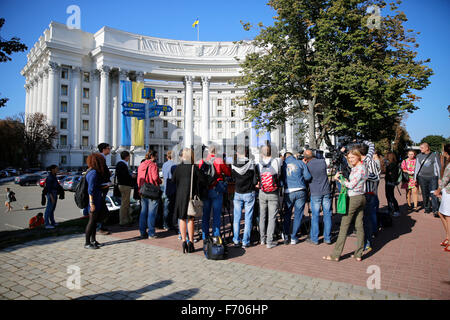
x=60, y=179
x=27, y=179
x=4, y=174
x=71, y=182
x=113, y=204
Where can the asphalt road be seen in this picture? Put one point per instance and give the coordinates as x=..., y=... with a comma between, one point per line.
x=31, y=196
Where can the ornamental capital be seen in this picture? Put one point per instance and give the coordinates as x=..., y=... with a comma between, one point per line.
x=189, y=79
x=206, y=80
x=104, y=70
x=53, y=66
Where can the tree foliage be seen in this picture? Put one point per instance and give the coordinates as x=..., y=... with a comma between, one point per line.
x=435, y=142
x=7, y=47
x=321, y=61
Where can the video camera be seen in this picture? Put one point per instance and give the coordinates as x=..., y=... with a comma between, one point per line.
x=318, y=154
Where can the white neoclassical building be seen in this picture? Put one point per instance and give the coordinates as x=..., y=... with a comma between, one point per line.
x=73, y=77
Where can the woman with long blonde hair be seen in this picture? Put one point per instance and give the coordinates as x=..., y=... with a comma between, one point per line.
x=409, y=166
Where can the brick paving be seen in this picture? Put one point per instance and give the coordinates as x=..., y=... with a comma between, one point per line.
x=412, y=265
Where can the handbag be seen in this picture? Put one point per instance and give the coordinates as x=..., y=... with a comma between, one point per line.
x=149, y=190
x=195, y=206
x=342, y=200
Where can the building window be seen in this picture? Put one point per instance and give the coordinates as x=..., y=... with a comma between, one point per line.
x=179, y=124
x=179, y=113
x=86, y=76
x=63, y=124
x=219, y=113
x=152, y=134
x=63, y=106
x=152, y=123
x=219, y=124
x=232, y=91
x=85, y=93
x=179, y=91
x=85, y=125
x=85, y=141
x=85, y=108
x=233, y=113
x=219, y=92
x=233, y=124
x=193, y=102
x=165, y=135
x=219, y=102
x=233, y=102
x=63, y=140
x=64, y=73
x=193, y=112
x=64, y=90
x=63, y=160
x=165, y=123
x=179, y=101
x=166, y=101
x=165, y=114
x=233, y=134
x=219, y=135
x=85, y=160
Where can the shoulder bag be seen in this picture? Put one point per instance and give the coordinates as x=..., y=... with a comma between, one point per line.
x=195, y=206
x=149, y=190
x=342, y=199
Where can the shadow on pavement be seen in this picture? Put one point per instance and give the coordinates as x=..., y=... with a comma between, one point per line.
x=110, y=243
x=136, y=294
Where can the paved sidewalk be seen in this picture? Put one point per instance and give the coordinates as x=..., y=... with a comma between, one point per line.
x=131, y=269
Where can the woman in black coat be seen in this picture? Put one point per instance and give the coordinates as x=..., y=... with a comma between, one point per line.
x=182, y=179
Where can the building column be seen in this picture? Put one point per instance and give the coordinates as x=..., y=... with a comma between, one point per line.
x=94, y=108
x=27, y=98
x=205, y=125
x=46, y=108
x=76, y=106
x=35, y=95
x=188, y=118
x=53, y=101
x=39, y=94
x=103, y=107
x=115, y=108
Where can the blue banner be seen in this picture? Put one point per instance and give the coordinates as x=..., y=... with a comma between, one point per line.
x=127, y=95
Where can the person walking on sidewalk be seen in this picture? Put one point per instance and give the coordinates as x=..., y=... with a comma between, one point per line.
x=409, y=167
x=428, y=170
x=357, y=202
x=182, y=180
x=169, y=191
x=269, y=174
x=148, y=173
x=125, y=184
x=9, y=198
x=51, y=183
x=294, y=175
x=94, y=180
x=245, y=174
x=391, y=178
x=444, y=209
x=320, y=190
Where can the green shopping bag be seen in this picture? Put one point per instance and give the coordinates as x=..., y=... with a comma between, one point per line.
x=342, y=200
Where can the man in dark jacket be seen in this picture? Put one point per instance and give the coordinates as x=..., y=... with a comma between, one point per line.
x=104, y=149
x=125, y=183
x=245, y=177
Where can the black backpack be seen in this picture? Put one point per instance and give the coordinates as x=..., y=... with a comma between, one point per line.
x=12, y=196
x=209, y=170
x=214, y=248
x=81, y=193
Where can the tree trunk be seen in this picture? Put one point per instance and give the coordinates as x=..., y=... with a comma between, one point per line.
x=312, y=124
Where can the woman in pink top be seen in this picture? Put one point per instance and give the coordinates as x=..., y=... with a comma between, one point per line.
x=409, y=166
x=357, y=202
x=148, y=173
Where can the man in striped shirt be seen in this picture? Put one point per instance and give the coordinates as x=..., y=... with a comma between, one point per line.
x=371, y=192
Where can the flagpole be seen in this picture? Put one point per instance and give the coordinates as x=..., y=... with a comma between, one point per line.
x=198, y=31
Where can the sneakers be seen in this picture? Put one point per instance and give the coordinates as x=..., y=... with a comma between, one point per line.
x=91, y=246
x=245, y=246
x=396, y=214
x=312, y=242
x=263, y=242
x=294, y=241
x=271, y=245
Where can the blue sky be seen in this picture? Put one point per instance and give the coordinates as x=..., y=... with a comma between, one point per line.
x=219, y=21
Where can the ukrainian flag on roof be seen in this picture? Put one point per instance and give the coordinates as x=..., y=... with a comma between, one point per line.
x=195, y=23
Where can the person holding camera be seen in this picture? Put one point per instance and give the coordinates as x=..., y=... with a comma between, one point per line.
x=320, y=196
x=357, y=201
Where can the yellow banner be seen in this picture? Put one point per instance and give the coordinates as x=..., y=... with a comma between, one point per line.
x=137, y=131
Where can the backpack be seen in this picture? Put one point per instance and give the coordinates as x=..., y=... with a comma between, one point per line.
x=209, y=170
x=12, y=196
x=399, y=177
x=214, y=248
x=268, y=181
x=81, y=193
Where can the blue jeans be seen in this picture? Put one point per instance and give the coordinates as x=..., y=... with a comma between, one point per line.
x=325, y=202
x=297, y=201
x=148, y=216
x=213, y=201
x=49, y=215
x=370, y=218
x=168, y=206
x=246, y=200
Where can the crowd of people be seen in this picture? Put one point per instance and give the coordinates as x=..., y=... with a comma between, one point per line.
x=273, y=186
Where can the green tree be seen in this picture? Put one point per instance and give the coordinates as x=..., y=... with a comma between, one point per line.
x=435, y=142
x=321, y=61
x=7, y=47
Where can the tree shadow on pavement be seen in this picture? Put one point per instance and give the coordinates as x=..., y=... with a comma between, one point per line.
x=135, y=294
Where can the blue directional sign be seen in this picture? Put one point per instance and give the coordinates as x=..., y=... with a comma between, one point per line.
x=129, y=113
x=148, y=93
x=164, y=108
x=134, y=105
